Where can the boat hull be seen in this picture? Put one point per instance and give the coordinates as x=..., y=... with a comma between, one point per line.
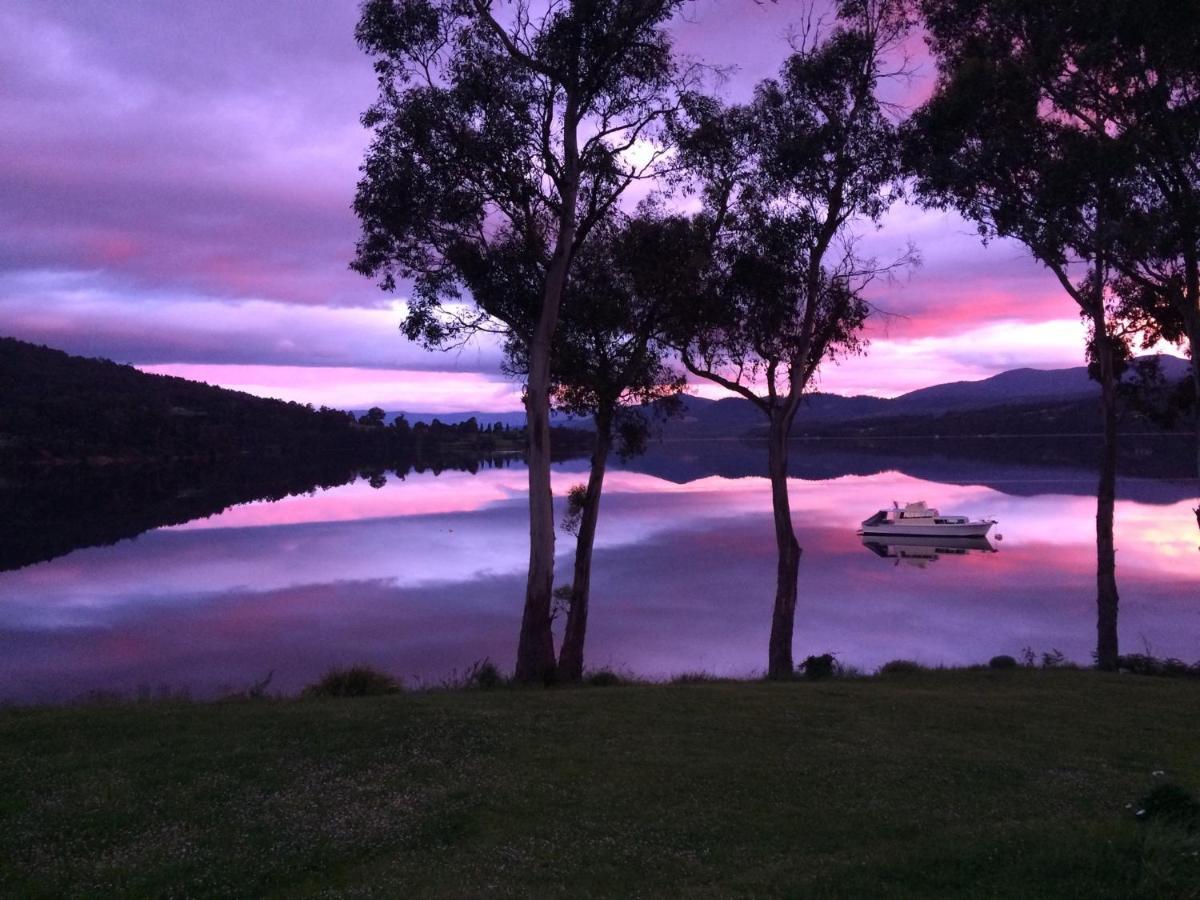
x=965, y=530
x=898, y=545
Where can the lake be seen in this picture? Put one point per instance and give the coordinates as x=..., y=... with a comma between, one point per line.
x=422, y=576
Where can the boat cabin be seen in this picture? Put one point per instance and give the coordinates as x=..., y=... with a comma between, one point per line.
x=913, y=513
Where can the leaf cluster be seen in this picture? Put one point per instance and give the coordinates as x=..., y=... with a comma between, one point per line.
x=1075, y=128
x=494, y=125
x=784, y=181
x=608, y=354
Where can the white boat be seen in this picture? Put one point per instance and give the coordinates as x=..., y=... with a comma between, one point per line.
x=919, y=519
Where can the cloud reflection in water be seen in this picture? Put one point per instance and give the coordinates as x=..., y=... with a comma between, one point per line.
x=426, y=575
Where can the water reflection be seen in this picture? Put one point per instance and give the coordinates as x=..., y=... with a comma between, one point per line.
x=920, y=551
x=426, y=574
x=45, y=515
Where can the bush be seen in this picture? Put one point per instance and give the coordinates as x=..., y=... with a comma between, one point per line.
x=1054, y=659
x=1139, y=664
x=901, y=667
x=1145, y=664
x=693, y=678
x=485, y=676
x=1171, y=804
x=1176, y=668
x=602, y=678
x=817, y=667
x=356, y=681
x=1002, y=662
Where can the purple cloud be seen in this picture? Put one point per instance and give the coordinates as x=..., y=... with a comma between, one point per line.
x=212, y=147
x=176, y=179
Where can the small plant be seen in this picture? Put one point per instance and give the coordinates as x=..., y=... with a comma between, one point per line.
x=693, y=678
x=1139, y=664
x=356, y=681
x=1176, y=668
x=484, y=675
x=576, y=501
x=1145, y=664
x=1171, y=804
x=1054, y=659
x=1004, y=661
x=818, y=667
x=1028, y=657
x=258, y=690
x=602, y=678
x=560, y=603
x=901, y=667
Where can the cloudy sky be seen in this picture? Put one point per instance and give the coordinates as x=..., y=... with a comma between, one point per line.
x=175, y=188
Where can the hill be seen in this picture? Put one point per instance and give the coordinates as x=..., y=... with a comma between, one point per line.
x=56, y=408
x=1020, y=401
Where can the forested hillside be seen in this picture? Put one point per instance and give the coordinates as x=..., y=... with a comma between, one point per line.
x=57, y=408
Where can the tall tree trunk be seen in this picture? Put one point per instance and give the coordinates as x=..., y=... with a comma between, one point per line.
x=779, y=660
x=1107, y=598
x=1193, y=330
x=535, y=648
x=1191, y=321
x=570, y=657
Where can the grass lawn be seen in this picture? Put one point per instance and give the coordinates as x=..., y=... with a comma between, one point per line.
x=1011, y=784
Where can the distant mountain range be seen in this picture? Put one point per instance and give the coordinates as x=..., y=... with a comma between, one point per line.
x=1017, y=389
x=1052, y=398
x=55, y=407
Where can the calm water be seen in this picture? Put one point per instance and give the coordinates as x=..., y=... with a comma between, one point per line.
x=425, y=575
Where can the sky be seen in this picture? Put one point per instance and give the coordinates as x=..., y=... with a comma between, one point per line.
x=175, y=189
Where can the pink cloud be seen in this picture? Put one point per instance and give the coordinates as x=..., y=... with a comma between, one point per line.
x=348, y=388
x=177, y=178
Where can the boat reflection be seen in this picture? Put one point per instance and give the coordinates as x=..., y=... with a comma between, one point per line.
x=919, y=551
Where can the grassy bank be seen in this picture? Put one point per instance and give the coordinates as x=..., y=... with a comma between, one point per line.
x=947, y=783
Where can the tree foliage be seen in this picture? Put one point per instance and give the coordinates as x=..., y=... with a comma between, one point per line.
x=785, y=180
x=501, y=141
x=609, y=359
x=785, y=183
x=1075, y=127
x=487, y=127
x=1046, y=126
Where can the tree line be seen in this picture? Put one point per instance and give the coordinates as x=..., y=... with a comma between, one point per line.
x=61, y=410
x=88, y=506
x=507, y=137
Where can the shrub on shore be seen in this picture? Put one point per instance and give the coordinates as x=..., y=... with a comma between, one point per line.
x=484, y=676
x=602, y=678
x=697, y=677
x=1171, y=804
x=355, y=681
x=1003, y=661
x=901, y=667
x=1145, y=664
x=818, y=667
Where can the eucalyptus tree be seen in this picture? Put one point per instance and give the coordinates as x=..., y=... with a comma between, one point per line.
x=1126, y=74
x=501, y=126
x=785, y=182
x=994, y=144
x=608, y=364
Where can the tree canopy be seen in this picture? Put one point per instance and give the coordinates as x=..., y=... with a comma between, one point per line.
x=503, y=139
x=785, y=182
x=489, y=128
